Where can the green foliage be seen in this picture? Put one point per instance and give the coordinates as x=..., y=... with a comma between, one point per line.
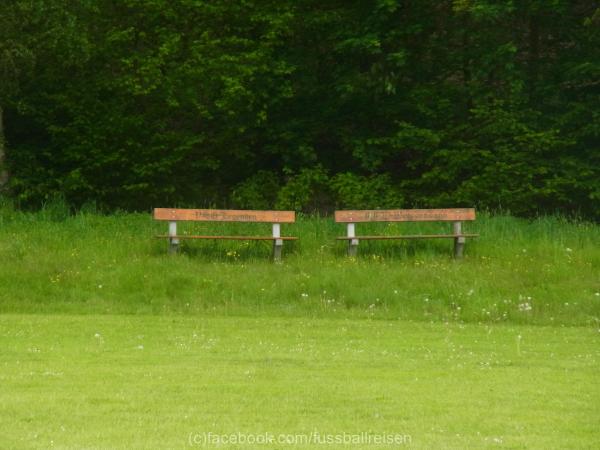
x=359, y=192
x=257, y=192
x=306, y=191
x=143, y=103
x=314, y=190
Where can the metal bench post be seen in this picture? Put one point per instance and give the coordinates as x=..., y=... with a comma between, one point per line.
x=459, y=241
x=352, y=243
x=277, y=243
x=173, y=241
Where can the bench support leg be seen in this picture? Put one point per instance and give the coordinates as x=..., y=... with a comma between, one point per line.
x=352, y=247
x=277, y=243
x=352, y=243
x=173, y=241
x=459, y=242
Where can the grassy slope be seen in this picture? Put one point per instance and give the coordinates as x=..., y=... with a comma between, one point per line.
x=545, y=271
x=151, y=381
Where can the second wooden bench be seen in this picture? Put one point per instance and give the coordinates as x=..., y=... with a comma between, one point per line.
x=455, y=215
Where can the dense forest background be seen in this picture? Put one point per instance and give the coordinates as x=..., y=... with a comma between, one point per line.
x=302, y=104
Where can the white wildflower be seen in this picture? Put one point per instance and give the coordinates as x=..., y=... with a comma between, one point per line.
x=524, y=307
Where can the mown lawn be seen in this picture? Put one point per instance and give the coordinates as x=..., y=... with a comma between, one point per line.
x=114, y=381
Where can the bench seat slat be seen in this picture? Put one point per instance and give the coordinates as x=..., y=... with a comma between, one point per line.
x=407, y=236
x=236, y=238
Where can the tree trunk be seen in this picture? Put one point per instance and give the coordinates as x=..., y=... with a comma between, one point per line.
x=3, y=171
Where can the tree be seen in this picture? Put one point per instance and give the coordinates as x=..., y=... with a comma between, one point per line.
x=140, y=103
x=32, y=34
x=15, y=57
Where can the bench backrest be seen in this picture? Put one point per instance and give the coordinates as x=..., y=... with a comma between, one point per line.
x=224, y=215
x=406, y=215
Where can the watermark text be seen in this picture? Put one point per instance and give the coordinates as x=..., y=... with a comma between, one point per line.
x=212, y=439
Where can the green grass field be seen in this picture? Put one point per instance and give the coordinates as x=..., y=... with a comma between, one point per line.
x=163, y=382
x=106, y=341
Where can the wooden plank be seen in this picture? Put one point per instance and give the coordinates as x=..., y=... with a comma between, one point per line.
x=405, y=215
x=408, y=236
x=235, y=238
x=224, y=215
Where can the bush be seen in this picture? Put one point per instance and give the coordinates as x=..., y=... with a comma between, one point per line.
x=354, y=191
x=257, y=192
x=307, y=191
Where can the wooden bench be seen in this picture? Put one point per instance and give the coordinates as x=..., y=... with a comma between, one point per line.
x=276, y=218
x=455, y=215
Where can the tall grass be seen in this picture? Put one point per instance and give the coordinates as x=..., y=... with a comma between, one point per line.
x=542, y=271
